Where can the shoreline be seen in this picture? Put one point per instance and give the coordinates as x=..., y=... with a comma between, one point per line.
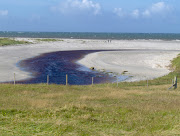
x=11, y=55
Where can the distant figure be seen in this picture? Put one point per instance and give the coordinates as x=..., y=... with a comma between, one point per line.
x=109, y=41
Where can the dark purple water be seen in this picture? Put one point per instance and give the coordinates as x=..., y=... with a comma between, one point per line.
x=58, y=64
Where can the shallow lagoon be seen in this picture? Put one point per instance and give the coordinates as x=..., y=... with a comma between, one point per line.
x=58, y=64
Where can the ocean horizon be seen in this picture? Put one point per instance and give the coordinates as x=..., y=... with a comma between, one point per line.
x=92, y=35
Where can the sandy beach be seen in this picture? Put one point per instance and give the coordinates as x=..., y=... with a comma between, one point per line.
x=143, y=59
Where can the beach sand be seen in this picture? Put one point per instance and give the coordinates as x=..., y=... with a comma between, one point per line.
x=143, y=59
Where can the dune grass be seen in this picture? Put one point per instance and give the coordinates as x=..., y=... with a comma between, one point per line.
x=9, y=41
x=48, y=40
x=89, y=110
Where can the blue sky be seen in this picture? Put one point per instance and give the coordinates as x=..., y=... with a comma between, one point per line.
x=139, y=16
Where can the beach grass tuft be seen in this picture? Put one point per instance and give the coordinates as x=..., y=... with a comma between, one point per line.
x=48, y=40
x=9, y=41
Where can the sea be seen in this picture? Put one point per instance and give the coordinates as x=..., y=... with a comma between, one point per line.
x=56, y=65
x=91, y=35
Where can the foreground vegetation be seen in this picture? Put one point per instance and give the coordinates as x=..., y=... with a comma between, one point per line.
x=9, y=41
x=89, y=110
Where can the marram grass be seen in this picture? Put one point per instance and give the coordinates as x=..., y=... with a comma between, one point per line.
x=10, y=41
x=48, y=40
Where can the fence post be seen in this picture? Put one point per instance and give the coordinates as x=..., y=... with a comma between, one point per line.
x=147, y=83
x=14, y=78
x=172, y=82
x=117, y=81
x=47, y=79
x=175, y=82
x=66, y=79
x=92, y=80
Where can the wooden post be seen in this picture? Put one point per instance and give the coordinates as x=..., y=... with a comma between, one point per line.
x=147, y=83
x=47, y=79
x=117, y=81
x=172, y=82
x=66, y=79
x=92, y=80
x=175, y=82
x=14, y=78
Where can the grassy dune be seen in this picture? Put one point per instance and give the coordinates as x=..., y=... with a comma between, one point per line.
x=8, y=41
x=89, y=110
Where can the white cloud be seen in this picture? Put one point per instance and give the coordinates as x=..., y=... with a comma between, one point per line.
x=119, y=12
x=160, y=7
x=157, y=8
x=71, y=6
x=3, y=12
x=135, y=13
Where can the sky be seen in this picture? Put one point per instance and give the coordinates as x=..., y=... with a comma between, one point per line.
x=124, y=16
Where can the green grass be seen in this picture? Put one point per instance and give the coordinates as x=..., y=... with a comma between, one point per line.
x=48, y=40
x=89, y=110
x=8, y=41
